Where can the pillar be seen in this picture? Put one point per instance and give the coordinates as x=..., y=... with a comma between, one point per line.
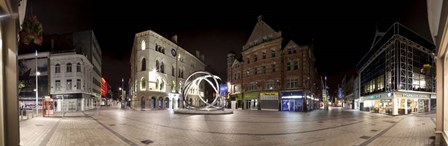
x=395, y=105
x=405, y=106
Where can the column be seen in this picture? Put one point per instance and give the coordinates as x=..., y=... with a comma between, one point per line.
x=395, y=105
x=405, y=106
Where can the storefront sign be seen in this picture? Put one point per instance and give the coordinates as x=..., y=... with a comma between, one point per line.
x=293, y=93
x=268, y=94
x=375, y=97
x=414, y=95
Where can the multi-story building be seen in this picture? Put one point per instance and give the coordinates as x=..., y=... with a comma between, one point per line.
x=350, y=91
x=271, y=74
x=27, y=78
x=397, y=75
x=71, y=81
x=159, y=68
x=438, y=24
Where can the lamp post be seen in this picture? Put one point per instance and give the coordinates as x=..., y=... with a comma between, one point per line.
x=37, y=89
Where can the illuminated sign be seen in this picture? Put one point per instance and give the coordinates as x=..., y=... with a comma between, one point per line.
x=268, y=94
x=375, y=96
x=414, y=95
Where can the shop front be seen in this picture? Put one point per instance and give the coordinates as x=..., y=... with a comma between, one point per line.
x=250, y=100
x=292, y=101
x=378, y=103
x=269, y=100
x=412, y=102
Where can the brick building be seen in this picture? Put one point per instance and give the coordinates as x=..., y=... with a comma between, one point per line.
x=272, y=73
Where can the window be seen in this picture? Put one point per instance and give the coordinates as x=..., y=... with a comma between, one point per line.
x=293, y=83
x=172, y=70
x=69, y=85
x=273, y=67
x=247, y=73
x=248, y=60
x=58, y=85
x=162, y=68
x=272, y=53
x=162, y=84
x=252, y=86
x=78, y=67
x=157, y=65
x=263, y=68
x=78, y=84
x=142, y=84
x=143, y=45
x=289, y=50
x=57, y=69
x=143, y=64
x=69, y=67
x=294, y=51
x=157, y=83
x=296, y=65
x=255, y=71
x=269, y=85
x=264, y=55
x=288, y=66
x=255, y=58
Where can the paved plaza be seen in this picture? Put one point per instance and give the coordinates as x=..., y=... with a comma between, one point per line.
x=114, y=126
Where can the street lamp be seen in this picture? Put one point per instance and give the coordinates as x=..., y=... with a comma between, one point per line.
x=37, y=89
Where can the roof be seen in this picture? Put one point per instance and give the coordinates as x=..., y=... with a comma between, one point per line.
x=260, y=33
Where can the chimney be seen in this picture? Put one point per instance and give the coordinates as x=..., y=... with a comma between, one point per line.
x=174, y=38
x=202, y=57
x=197, y=54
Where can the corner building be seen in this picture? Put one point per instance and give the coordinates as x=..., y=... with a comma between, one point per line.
x=397, y=75
x=159, y=68
x=272, y=74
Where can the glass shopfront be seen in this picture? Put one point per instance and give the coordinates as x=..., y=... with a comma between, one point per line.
x=292, y=101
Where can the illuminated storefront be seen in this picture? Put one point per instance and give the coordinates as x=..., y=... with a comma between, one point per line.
x=269, y=100
x=292, y=101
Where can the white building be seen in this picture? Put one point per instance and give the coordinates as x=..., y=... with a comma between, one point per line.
x=158, y=68
x=71, y=83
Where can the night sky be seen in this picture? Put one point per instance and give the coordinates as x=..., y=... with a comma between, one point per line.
x=341, y=32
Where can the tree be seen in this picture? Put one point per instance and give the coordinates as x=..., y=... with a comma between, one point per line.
x=428, y=71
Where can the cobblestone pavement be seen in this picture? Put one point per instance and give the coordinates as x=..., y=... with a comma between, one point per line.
x=113, y=126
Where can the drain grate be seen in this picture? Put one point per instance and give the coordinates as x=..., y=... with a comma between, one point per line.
x=374, y=130
x=111, y=124
x=147, y=141
x=365, y=137
x=39, y=125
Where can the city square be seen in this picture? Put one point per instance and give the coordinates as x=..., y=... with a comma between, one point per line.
x=336, y=127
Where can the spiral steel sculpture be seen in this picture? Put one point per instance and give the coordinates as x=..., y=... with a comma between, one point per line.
x=194, y=83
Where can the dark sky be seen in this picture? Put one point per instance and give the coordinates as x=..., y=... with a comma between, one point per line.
x=342, y=32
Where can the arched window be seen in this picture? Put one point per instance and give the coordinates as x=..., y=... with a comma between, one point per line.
x=173, y=87
x=78, y=67
x=143, y=45
x=172, y=70
x=143, y=84
x=162, y=84
x=157, y=83
x=157, y=65
x=69, y=67
x=57, y=69
x=162, y=67
x=143, y=64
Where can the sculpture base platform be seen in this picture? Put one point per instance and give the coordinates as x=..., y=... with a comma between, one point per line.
x=203, y=111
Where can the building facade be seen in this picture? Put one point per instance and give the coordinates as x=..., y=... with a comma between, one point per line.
x=438, y=24
x=159, y=68
x=350, y=93
x=272, y=74
x=71, y=84
x=27, y=78
x=397, y=74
